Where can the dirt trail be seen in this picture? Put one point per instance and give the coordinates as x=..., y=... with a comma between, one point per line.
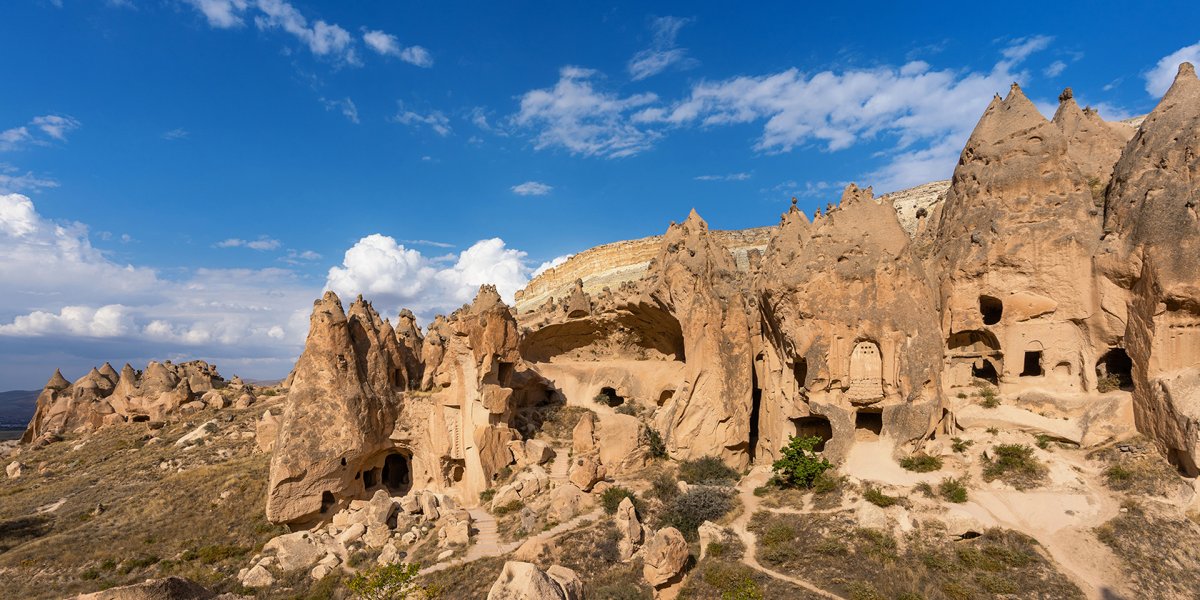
x=487, y=542
x=750, y=504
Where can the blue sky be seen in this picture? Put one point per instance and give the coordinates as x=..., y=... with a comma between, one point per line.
x=180, y=178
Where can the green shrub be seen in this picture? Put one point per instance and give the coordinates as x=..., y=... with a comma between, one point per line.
x=1108, y=383
x=1014, y=464
x=389, y=582
x=800, y=465
x=687, y=511
x=663, y=487
x=921, y=463
x=487, y=495
x=612, y=497
x=878, y=498
x=990, y=399
x=608, y=400
x=960, y=445
x=1043, y=441
x=925, y=489
x=626, y=409
x=953, y=490
x=827, y=481
x=508, y=508
x=1118, y=476
x=655, y=444
x=707, y=470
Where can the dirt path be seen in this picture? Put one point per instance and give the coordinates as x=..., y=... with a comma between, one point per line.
x=561, y=465
x=750, y=504
x=487, y=539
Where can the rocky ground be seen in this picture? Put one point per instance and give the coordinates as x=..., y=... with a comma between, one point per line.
x=133, y=502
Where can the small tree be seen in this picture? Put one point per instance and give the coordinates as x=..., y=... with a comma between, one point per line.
x=800, y=464
x=396, y=581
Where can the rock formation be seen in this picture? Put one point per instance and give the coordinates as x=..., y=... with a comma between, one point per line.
x=160, y=392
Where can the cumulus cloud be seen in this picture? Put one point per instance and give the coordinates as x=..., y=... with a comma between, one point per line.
x=262, y=243
x=575, y=116
x=41, y=131
x=106, y=321
x=345, y=106
x=1055, y=69
x=394, y=276
x=532, y=188
x=663, y=52
x=386, y=44
x=1160, y=78
x=322, y=38
x=436, y=120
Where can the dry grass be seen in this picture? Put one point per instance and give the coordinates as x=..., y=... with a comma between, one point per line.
x=468, y=580
x=153, y=521
x=1160, y=551
x=1145, y=472
x=592, y=553
x=1014, y=464
x=866, y=564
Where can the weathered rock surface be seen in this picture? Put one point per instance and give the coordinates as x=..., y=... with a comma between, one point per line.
x=524, y=581
x=665, y=555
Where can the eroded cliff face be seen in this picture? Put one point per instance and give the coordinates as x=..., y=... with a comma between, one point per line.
x=850, y=330
x=1058, y=263
x=1152, y=260
x=364, y=413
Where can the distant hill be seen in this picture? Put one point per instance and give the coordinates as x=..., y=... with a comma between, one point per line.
x=16, y=408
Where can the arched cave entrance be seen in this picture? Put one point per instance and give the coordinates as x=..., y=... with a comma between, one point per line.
x=800, y=371
x=1115, y=368
x=869, y=422
x=991, y=309
x=985, y=370
x=397, y=474
x=814, y=425
x=608, y=396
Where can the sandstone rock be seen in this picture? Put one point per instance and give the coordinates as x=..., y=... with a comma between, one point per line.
x=629, y=528
x=380, y=509
x=14, y=469
x=198, y=434
x=258, y=577
x=665, y=555
x=169, y=588
x=568, y=582
x=586, y=472
x=709, y=532
x=376, y=536
x=351, y=534
x=294, y=550
x=266, y=431
x=524, y=581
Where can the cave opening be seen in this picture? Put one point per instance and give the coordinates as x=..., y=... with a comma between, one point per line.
x=755, y=406
x=800, y=370
x=991, y=309
x=396, y=475
x=814, y=426
x=609, y=397
x=1115, y=369
x=1033, y=364
x=327, y=501
x=985, y=371
x=869, y=421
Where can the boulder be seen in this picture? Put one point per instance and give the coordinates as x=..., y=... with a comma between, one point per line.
x=524, y=581
x=379, y=509
x=169, y=588
x=709, y=532
x=586, y=472
x=665, y=555
x=266, y=431
x=294, y=550
x=568, y=582
x=258, y=577
x=629, y=528
x=14, y=469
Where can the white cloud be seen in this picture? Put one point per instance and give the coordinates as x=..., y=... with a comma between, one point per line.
x=110, y=320
x=1160, y=78
x=345, y=106
x=729, y=177
x=532, y=188
x=322, y=38
x=51, y=128
x=1055, y=69
x=436, y=120
x=662, y=53
x=178, y=133
x=222, y=14
x=386, y=44
x=1022, y=48
x=550, y=264
x=12, y=180
x=427, y=243
x=575, y=116
x=262, y=243
x=396, y=277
